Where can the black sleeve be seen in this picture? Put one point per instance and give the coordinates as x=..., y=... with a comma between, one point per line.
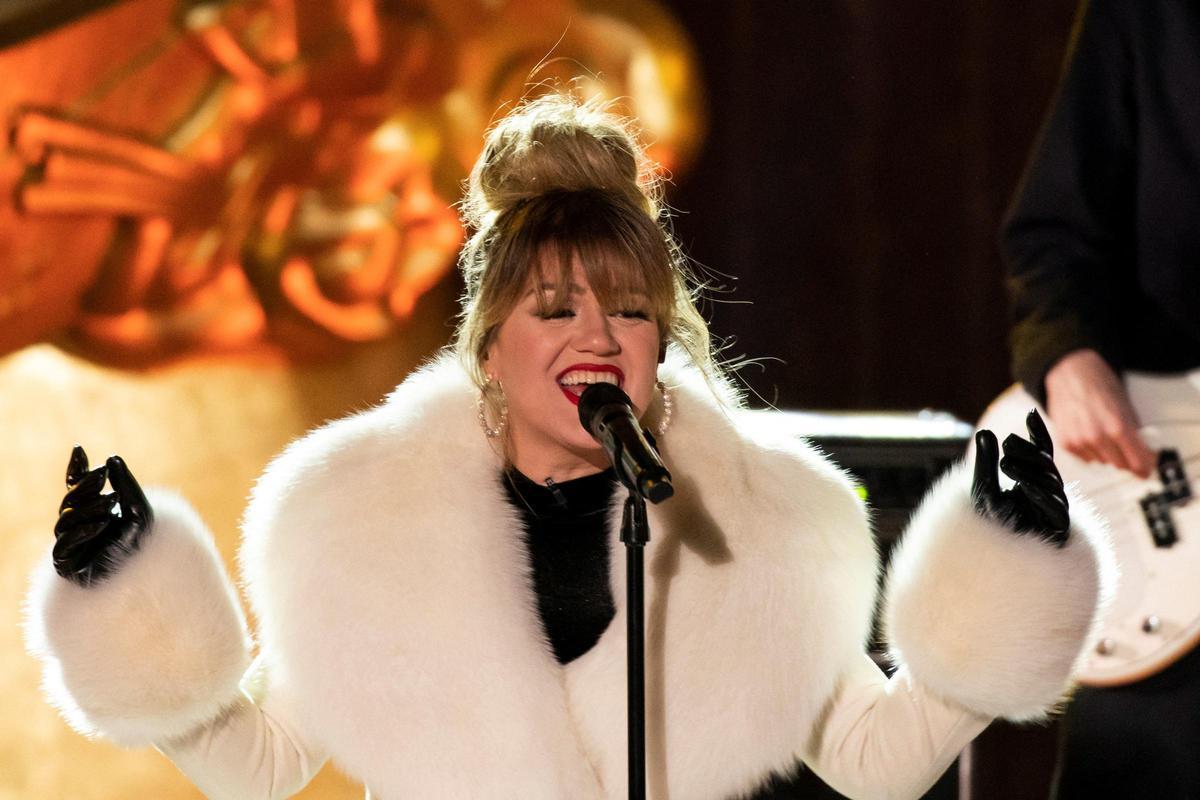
x=1069, y=232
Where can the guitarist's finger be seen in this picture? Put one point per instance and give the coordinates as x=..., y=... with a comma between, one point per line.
x=77, y=466
x=1080, y=449
x=1137, y=455
x=1109, y=453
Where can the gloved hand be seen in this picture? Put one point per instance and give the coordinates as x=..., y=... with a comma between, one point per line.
x=95, y=531
x=1037, y=503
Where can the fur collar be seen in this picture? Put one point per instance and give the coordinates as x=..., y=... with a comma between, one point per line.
x=398, y=625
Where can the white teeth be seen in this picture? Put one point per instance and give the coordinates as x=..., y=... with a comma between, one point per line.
x=579, y=376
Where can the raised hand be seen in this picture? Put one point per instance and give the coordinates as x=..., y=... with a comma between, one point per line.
x=1037, y=502
x=96, y=531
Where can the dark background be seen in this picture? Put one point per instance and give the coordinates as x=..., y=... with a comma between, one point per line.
x=860, y=159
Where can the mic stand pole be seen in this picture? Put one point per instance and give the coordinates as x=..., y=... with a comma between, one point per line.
x=635, y=533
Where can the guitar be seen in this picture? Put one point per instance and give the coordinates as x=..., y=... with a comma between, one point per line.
x=1155, y=523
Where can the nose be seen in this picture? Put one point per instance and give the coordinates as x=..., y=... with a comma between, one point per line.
x=595, y=333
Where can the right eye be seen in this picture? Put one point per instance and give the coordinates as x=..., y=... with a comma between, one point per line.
x=557, y=313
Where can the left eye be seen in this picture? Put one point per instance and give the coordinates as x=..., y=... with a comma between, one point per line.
x=632, y=313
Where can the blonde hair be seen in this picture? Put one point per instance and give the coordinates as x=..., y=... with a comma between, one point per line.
x=561, y=179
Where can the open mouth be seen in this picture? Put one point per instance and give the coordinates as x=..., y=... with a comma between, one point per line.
x=577, y=377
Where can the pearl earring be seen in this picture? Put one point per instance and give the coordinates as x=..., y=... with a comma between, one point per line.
x=668, y=409
x=481, y=405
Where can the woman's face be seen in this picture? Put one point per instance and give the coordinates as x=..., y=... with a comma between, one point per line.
x=545, y=361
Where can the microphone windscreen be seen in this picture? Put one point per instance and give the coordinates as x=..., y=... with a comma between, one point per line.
x=596, y=397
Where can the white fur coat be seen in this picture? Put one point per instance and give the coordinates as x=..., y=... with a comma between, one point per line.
x=400, y=636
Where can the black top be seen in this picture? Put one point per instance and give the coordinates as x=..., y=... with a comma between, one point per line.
x=566, y=533
x=1103, y=240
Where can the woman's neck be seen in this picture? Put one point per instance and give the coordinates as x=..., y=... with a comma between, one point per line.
x=559, y=467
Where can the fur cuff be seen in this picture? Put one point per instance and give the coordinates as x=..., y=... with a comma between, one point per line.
x=153, y=651
x=989, y=618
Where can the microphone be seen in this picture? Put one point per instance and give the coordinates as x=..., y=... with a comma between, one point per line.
x=607, y=414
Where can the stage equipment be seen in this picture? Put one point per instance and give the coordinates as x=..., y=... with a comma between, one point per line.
x=895, y=456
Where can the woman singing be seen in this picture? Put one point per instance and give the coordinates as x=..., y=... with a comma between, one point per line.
x=437, y=606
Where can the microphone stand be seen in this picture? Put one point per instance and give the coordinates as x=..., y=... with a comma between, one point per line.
x=635, y=533
x=607, y=414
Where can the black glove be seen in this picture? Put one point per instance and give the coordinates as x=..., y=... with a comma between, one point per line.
x=96, y=531
x=1037, y=503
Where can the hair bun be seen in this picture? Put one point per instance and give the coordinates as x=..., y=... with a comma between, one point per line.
x=555, y=143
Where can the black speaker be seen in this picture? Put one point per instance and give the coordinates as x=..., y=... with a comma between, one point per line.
x=895, y=457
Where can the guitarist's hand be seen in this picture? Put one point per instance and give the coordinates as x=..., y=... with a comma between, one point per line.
x=96, y=531
x=1092, y=414
x=1036, y=503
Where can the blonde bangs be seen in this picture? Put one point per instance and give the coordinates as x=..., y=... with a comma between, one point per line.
x=620, y=279
x=625, y=259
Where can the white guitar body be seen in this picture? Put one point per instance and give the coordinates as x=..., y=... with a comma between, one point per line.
x=1155, y=617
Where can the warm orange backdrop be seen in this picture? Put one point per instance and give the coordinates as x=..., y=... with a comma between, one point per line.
x=223, y=224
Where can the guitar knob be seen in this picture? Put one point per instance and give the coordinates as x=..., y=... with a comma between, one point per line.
x=1152, y=624
x=1106, y=646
